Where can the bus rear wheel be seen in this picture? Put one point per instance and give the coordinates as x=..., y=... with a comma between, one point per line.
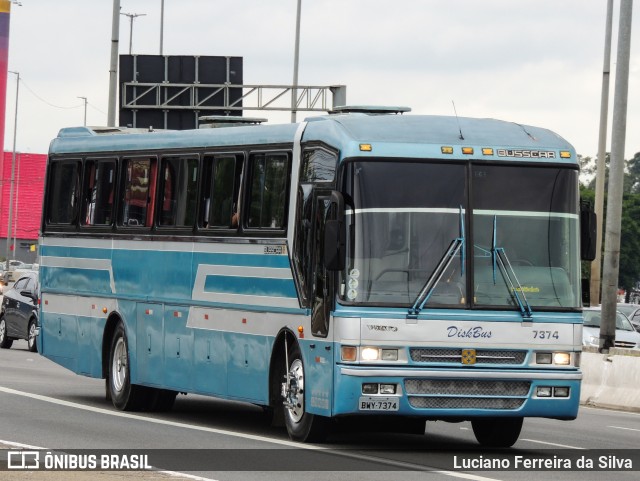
x=497, y=432
x=301, y=425
x=124, y=395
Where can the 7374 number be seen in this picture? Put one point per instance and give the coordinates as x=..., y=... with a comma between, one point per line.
x=546, y=335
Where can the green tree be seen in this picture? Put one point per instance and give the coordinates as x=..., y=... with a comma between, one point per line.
x=629, y=271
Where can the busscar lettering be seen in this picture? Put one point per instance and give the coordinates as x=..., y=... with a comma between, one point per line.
x=526, y=154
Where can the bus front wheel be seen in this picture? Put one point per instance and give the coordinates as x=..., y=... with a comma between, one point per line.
x=124, y=395
x=497, y=432
x=301, y=425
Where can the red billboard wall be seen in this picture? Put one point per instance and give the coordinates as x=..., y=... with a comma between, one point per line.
x=27, y=195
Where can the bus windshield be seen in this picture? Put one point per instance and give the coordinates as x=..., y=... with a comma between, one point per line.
x=398, y=234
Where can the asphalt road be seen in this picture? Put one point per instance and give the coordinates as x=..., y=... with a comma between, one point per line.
x=44, y=406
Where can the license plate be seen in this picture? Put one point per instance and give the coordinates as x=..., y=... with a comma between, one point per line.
x=378, y=404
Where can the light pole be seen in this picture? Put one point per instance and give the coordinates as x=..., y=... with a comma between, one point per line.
x=85, y=110
x=161, y=25
x=296, y=55
x=13, y=169
x=113, y=66
x=611, y=262
x=596, y=265
x=131, y=17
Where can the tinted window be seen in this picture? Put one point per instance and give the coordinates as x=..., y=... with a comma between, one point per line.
x=99, y=190
x=139, y=178
x=268, y=190
x=517, y=188
x=221, y=201
x=179, y=191
x=64, y=182
x=318, y=165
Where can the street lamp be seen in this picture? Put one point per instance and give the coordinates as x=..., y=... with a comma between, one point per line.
x=161, y=25
x=85, y=110
x=13, y=169
x=131, y=17
x=296, y=55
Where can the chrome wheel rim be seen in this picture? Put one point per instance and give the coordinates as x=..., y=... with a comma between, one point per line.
x=32, y=334
x=2, y=329
x=295, y=398
x=119, y=365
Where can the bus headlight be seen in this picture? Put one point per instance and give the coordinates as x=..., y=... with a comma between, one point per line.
x=543, y=358
x=555, y=358
x=387, y=388
x=389, y=355
x=561, y=358
x=369, y=354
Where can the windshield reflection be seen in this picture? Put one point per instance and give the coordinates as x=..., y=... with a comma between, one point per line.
x=399, y=233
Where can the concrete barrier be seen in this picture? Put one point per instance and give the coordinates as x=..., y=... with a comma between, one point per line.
x=611, y=380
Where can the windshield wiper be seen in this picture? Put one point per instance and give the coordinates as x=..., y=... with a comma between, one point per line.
x=457, y=245
x=499, y=258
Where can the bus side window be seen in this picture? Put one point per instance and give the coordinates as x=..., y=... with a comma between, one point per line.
x=225, y=187
x=99, y=192
x=64, y=189
x=179, y=191
x=318, y=165
x=139, y=180
x=268, y=191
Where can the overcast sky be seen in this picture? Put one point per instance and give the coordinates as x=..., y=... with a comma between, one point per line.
x=536, y=62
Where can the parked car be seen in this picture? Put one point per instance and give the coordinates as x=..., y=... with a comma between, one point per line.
x=626, y=336
x=632, y=311
x=19, y=312
x=14, y=273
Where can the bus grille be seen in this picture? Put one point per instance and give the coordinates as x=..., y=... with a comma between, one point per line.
x=466, y=387
x=625, y=344
x=464, y=403
x=466, y=393
x=483, y=356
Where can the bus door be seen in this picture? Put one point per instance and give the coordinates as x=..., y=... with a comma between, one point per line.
x=319, y=359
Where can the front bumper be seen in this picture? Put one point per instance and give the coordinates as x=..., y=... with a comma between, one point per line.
x=466, y=394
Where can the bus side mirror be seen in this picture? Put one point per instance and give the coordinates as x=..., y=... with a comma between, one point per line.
x=588, y=232
x=335, y=253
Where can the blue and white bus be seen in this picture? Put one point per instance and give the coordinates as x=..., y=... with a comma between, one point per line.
x=359, y=264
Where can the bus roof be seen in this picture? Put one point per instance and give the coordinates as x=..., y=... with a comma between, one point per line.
x=387, y=136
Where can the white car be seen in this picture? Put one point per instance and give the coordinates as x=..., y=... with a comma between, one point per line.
x=632, y=311
x=626, y=336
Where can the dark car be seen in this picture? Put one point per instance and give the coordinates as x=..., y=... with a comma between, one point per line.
x=19, y=315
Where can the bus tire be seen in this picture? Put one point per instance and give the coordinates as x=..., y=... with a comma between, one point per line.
x=124, y=395
x=497, y=432
x=301, y=425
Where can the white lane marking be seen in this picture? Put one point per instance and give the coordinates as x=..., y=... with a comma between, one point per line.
x=552, y=444
x=253, y=437
x=538, y=442
x=19, y=445
x=626, y=429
